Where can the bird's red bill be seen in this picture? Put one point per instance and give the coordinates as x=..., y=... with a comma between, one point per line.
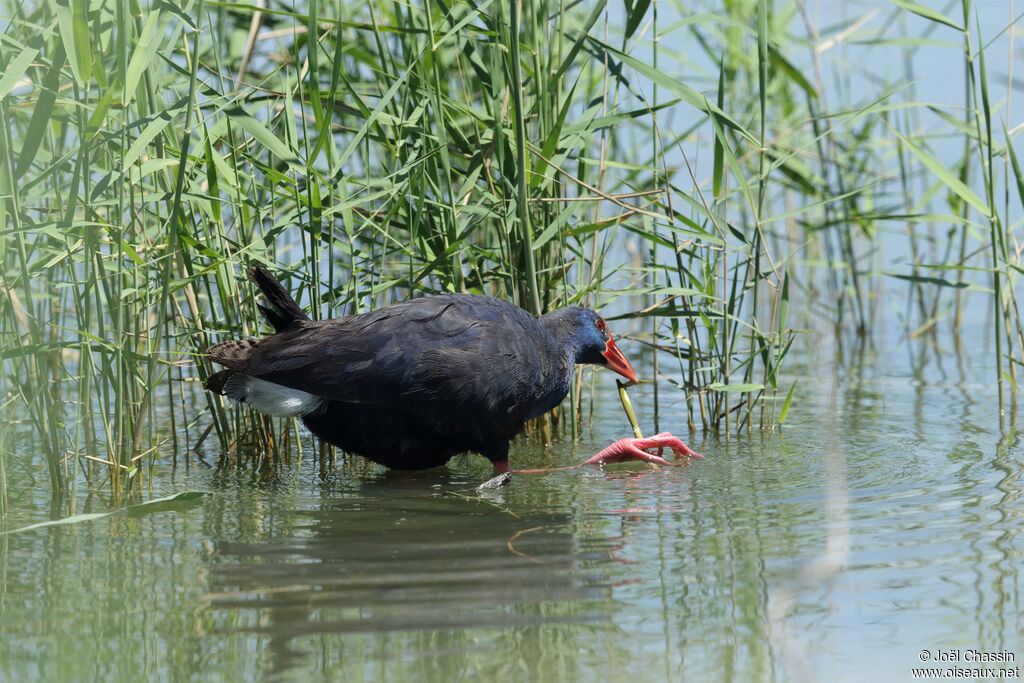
x=617, y=362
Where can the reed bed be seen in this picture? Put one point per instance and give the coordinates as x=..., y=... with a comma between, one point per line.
x=708, y=175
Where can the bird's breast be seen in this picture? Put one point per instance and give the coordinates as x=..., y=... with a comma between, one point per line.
x=552, y=389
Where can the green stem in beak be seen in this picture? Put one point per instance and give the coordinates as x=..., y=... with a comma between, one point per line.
x=627, y=405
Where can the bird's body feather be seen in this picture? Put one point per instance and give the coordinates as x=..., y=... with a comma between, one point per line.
x=409, y=385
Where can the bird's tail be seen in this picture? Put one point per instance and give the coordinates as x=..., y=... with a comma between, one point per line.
x=266, y=397
x=218, y=380
x=281, y=310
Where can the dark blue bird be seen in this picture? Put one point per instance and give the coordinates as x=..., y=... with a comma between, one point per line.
x=411, y=385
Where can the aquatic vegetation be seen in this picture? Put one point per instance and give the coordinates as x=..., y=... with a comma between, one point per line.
x=711, y=176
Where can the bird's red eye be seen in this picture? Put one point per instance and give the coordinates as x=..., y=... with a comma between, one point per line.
x=600, y=324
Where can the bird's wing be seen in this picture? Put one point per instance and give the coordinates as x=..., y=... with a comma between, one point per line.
x=449, y=359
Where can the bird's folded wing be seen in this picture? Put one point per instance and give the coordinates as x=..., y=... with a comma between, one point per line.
x=438, y=357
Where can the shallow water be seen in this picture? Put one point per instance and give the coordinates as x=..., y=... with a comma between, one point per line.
x=884, y=520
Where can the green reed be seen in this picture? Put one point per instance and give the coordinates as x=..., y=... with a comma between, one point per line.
x=699, y=175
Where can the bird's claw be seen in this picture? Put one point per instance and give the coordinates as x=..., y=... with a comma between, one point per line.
x=639, y=449
x=495, y=482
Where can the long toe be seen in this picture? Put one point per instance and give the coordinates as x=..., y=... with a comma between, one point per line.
x=670, y=440
x=639, y=449
x=641, y=454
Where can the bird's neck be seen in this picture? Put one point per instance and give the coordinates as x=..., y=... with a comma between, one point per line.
x=563, y=332
x=557, y=365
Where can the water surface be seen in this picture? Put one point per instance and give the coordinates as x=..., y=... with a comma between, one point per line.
x=885, y=519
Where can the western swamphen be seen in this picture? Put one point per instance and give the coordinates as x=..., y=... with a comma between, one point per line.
x=411, y=385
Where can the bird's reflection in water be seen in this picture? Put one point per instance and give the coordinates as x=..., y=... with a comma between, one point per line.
x=416, y=552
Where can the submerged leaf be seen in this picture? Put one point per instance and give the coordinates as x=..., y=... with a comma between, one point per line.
x=173, y=502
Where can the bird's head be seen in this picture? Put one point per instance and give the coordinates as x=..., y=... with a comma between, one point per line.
x=584, y=334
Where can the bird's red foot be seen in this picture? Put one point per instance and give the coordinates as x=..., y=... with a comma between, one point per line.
x=639, y=449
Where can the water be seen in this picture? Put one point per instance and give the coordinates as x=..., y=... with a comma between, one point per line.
x=883, y=521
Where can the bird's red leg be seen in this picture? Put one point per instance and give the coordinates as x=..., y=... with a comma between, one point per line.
x=545, y=470
x=501, y=467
